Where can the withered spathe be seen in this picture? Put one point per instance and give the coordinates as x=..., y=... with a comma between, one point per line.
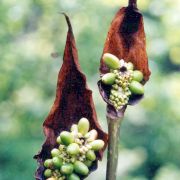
x=126, y=40
x=73, y=101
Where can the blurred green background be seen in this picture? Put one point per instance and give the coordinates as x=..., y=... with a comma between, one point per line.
x=31, y=30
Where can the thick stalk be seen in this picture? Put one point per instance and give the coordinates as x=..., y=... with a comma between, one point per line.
x=112, y=159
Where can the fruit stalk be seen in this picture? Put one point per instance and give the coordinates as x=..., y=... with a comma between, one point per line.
x=112, y=159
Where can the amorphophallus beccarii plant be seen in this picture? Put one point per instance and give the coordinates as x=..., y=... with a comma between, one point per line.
x=123, y=71
x=73, y=107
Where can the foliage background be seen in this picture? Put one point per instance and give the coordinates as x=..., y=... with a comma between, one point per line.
x=30, y=30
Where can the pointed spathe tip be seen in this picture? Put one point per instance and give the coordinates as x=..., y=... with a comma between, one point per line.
x=67, y=20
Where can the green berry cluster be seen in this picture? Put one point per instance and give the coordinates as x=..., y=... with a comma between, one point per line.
x=120, y=93
x=123, y=79
x=75, y=154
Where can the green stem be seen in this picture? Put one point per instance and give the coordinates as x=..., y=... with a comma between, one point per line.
x=112, y=159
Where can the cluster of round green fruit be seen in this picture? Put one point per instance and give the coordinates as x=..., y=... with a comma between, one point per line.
x=76, y=153
x=123, y=79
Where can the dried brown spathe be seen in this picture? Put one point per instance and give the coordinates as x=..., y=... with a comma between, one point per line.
x=126, y=40
x=73, y=101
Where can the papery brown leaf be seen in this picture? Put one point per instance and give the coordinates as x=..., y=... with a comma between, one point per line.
x=126, y=40
x=73, y=101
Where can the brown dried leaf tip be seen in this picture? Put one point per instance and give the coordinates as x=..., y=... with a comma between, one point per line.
x=126, y=40
x=73, y=101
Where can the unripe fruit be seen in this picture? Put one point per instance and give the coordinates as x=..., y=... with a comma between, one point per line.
x=92, y=135
x=73, y=177
x=58, y=140
x=136, y=88
x=83, y=126
x=137, y=75
x=109, y=78
x=57, y=162
x=97, y=144
x=67, y=169
x=80, y=135
x=115, y=86
x=73, y=149
x=130, y=66
x=111, y=61
x=90, y=155
x=88, y=163
x=81, y=168
x=48, y=173
x=74, y=128
x=66, y=138
x=55, y=152
x=48, y=163
x=52, y=178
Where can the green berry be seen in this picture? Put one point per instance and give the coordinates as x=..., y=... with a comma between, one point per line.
x=123, y=85
x=48, y=173
x=48, y=163
x=115, y=86
x=116, y=106
x=55, y=152
x=73, y=177
x=109, y=78
x=125, y=102
x=57, y=162
x=88, y=163
x=67, y=169
x=116, y=94
x=97, y=144
x=58, y=140
x=120, y=82
x=116, y=81
x=90, y=155
x=130, y=66
x=137, y=76
x=117, y=100
x=115, y=71
x=113, y=91
x=73, y=149
x=136, y=88
x=111, y=97
x=66, y=138
x=83, y=126
x=120, y=96
x=74, y=128
x=87, y=135
x=61, y=147
x=51, y=178
x=81, y=168
x=93, y=134
x=111, y=61
x=73, y=159
x=80, y=135
x=119, y=77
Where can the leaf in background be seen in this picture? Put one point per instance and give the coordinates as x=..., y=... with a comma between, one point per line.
x=126, y=40
x=73, y=101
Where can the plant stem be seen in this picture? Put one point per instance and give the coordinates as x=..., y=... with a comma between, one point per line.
x=112, y=159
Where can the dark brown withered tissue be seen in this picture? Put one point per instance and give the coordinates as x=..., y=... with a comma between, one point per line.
x=73, y=101
x=126, y=40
